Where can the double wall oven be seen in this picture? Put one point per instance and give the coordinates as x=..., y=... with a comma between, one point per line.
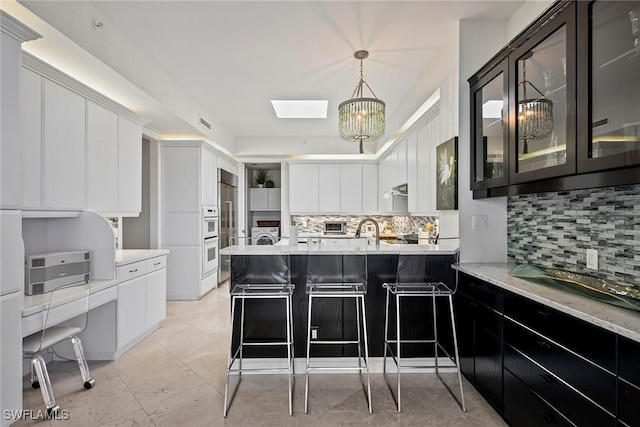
x=210, y=224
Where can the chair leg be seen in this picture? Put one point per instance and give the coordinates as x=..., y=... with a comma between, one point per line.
x=455, y=347
x=398, y=350
x=359, y=338
x=366, y=352
x=40, y=367
x=435, y=333
x=289, y=355
x=306, y=381
x=386, y=334
x=229, y=363
x=82, y=362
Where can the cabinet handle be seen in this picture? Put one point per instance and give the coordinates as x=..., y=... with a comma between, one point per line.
x=544, y=345
x=543, y=314
x=473, y=304
x=547, y=378
x=133, y=271
x=547, y=417
x=157, y=263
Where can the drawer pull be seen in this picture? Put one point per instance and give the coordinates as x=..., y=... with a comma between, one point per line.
x=133, y=271
x=547, y=378
x=547, y=417
x=543, y=314
x=157, y=263
x=473, y=304
x=544, y=345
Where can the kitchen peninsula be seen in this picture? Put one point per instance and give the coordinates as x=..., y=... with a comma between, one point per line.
x=256, y=264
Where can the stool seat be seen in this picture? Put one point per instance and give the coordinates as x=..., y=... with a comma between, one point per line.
x=419, y=288
x=262, y=290
x=337, y=289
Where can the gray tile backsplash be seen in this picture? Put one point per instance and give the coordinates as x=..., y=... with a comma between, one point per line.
x=556, y=229
x=400, y=223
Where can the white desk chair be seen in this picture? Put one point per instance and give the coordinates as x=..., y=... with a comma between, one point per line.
x=35, y=345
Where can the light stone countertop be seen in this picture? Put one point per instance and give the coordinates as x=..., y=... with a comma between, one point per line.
x=127, y=256
x=616, y=319
x=36, y=303
x=350, y=246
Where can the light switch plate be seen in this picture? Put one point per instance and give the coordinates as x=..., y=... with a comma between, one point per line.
x=592, y=259
x=479, y=222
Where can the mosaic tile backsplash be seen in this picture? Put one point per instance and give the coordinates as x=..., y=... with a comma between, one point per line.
x=400, y=224
x=556, y=229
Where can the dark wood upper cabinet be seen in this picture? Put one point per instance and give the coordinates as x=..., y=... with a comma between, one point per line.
x=609, y=84
x=542, y=102
x=572, y=94
x=490, y=129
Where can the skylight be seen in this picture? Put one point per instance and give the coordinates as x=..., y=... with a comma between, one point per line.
x=287, y=109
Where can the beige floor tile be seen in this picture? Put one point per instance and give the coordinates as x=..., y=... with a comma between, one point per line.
x=152, y=389
x=134, y=419
x=195, y=407
x=147, y=364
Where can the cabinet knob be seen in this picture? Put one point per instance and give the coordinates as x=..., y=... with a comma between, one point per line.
x=547, y=378
x=543, y=314
x=547, y=417
x=543, y=344
x=133, y=271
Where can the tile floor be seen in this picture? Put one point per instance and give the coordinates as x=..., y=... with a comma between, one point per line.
x=176, y=377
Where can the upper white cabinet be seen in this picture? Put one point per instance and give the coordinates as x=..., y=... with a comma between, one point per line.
x=329, y=188
x=80, y=150
x=102, y=159
x=369, y=188
x=426, y=140
x=209, y=177
x=303, y=188
x=129, y=167
x=63, y=147
x=351, y=188
x=412, y=171
x=265, y=199
x=386, y=168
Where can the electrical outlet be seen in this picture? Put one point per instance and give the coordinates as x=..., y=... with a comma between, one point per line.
x=592, y=259
x=314, y=332
x=479, y=222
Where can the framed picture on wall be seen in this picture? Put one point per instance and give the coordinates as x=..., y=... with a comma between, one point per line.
x=447, y=175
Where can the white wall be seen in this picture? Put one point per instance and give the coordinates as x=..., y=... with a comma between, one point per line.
x=283, y=146
x=525, y=15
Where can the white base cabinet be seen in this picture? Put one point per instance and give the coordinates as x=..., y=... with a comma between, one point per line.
x=141, y=304
x=10, y=354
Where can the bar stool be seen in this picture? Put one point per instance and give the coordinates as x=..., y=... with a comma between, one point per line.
x=413, y=281
x=336, y=273
x=272, y=281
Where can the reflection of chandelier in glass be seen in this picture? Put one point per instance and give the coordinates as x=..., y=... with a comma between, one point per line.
x=361, y=119
x=535, y=116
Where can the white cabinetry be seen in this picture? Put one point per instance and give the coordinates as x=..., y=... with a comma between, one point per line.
x=264, y=199
x=412, y=172
x=129, y=167
x=303, y=188
x=329, y=188
x=385, y=171
x=11, y=353
x=142, y=301
x=369, y=188
x=209, y=177
x=102, y=159
x=351, y=188
x=426, y=140
x=31, y=135
x=63, y=148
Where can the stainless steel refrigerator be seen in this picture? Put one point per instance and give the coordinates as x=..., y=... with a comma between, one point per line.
x=227, y=207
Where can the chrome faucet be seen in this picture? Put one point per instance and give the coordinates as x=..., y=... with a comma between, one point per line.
x=375, y=224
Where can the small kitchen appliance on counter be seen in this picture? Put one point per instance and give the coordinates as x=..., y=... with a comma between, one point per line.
x=46, y=272
x=335, y=227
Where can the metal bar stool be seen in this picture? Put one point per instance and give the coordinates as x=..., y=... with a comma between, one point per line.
x=412, y=281
x=335, y=273
x=274, y=284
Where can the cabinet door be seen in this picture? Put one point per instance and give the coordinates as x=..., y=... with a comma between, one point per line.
x=490, y=129
x=543, y=103
x=102, y=159
x=351, y=189
x=303, y=188
x=209, y=178
x=412, y=172
x=259, y=198
x=63, y=148
x=131, y=310
x=608, y=92
x=401, y=164
x=180, y=177
x=10, y=352
x=385, y=169
x=129, y=166
x=273, y=199
x=369, y=189
x=31, y=133
x=329, y=188
x=156, y=297
x=427, y=138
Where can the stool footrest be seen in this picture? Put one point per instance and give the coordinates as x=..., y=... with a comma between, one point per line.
x=335, y=342
x=257, y=370
x=270, y=343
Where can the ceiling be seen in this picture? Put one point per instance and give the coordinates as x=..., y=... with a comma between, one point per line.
x=230, y=58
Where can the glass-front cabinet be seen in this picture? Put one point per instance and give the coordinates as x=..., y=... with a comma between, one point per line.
x=543, y=102
x=609, y=90
x=490, y=128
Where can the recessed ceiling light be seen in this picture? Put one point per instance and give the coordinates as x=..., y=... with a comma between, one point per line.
x=492, y=109
x=287, y=109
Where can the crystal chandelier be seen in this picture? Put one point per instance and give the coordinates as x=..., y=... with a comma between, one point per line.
x=535, y=115
x=361, y=119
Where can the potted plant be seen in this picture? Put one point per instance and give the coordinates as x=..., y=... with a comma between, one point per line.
x=261, y=177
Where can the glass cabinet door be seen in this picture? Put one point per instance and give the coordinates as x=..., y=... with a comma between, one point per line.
x=543, y=103
x=489, y=118
x=609, y=119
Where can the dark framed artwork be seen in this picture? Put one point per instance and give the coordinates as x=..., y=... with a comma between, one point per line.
x=447, y=175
